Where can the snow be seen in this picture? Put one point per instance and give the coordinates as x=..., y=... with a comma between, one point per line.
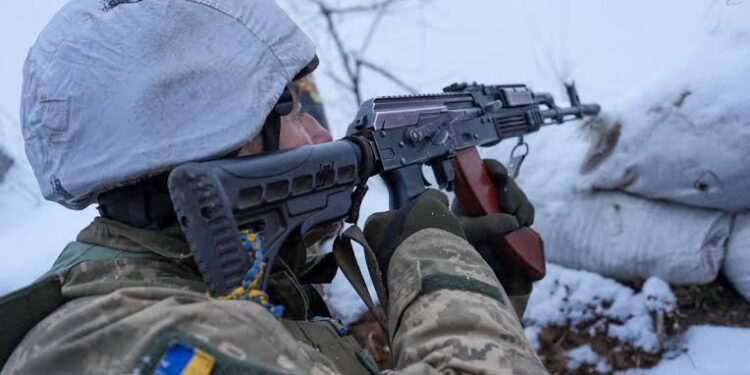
x=584, y=355
x=710, y=350
x=571, y=298
x=658, y=295
x=33, y=232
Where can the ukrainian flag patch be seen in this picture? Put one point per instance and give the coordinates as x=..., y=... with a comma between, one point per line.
x=184, y=359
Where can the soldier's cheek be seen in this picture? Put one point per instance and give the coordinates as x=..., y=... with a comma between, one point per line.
x=301, y=129
x=255, y=146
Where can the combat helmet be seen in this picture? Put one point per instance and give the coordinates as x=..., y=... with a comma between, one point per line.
x=120, y=90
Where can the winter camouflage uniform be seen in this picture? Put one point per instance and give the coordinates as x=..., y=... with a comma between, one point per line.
x=121, y=90
x=129, y=298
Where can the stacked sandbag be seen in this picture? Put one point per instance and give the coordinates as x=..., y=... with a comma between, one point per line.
x=612, y=232
x=686, y=138
x=631, y=238
x=737, y=261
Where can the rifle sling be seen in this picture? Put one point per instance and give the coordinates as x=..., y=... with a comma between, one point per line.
x=344, y=254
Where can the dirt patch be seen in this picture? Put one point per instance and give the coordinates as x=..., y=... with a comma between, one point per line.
x=556, y=342
x=716, y=303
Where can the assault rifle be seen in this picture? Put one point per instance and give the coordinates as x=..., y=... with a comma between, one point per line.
x=289, y=193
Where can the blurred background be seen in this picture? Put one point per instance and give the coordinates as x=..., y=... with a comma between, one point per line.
x=644, y=210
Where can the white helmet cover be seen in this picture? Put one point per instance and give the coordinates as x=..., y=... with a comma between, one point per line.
x=114, y=93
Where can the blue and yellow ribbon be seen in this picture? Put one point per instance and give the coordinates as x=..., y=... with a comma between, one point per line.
x=250, y=288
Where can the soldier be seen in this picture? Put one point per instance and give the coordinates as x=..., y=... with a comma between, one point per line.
x=116, y=95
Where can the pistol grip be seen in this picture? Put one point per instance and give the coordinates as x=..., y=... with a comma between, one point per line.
x=477, y=195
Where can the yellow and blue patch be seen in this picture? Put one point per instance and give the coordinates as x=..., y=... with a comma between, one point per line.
x=183, y=359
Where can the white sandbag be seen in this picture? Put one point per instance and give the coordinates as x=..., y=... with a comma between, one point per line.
x=686, y=137
x=737, y=260
x=630, y=238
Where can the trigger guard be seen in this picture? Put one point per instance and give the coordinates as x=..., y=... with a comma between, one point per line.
x=424, y=178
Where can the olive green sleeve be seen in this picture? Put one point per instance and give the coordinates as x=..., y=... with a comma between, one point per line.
x=448, y=312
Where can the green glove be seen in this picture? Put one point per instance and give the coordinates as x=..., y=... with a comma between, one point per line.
x=384, y=231
x=516, y=208
x=512, y=199
x=483, y=231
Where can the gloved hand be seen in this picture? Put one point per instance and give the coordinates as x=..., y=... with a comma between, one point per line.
x=513, y=201
x=484, y=231
x=384, y=231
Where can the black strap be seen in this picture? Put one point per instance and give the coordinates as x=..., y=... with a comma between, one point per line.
x=272, y=132
x=145, y=205
x=309, y=68
x=21, y=310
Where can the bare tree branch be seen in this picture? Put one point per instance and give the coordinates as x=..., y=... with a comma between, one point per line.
x=352, y=59
x=376, y=6
x=342, y=50
x=385, y=73
x=339, y=81
x=371, y=31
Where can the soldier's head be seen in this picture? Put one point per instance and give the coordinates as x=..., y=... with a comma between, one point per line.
x=118, y=91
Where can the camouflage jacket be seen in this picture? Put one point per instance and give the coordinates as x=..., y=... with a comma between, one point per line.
x=135, y=304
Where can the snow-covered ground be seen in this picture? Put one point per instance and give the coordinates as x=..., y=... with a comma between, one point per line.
x=575, y=298
x=588, y=305
x=708, y=351
x=610, y=49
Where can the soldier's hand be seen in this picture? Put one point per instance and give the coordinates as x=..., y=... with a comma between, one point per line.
x=512, y=199
x=516, y=208
x=384, y=231
x=483, y=231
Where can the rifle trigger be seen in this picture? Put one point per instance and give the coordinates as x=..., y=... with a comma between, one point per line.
x=517, y=156
x=444, y=174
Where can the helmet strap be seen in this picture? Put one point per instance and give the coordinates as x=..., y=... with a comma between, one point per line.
x=272, y=132
x=146, y=205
